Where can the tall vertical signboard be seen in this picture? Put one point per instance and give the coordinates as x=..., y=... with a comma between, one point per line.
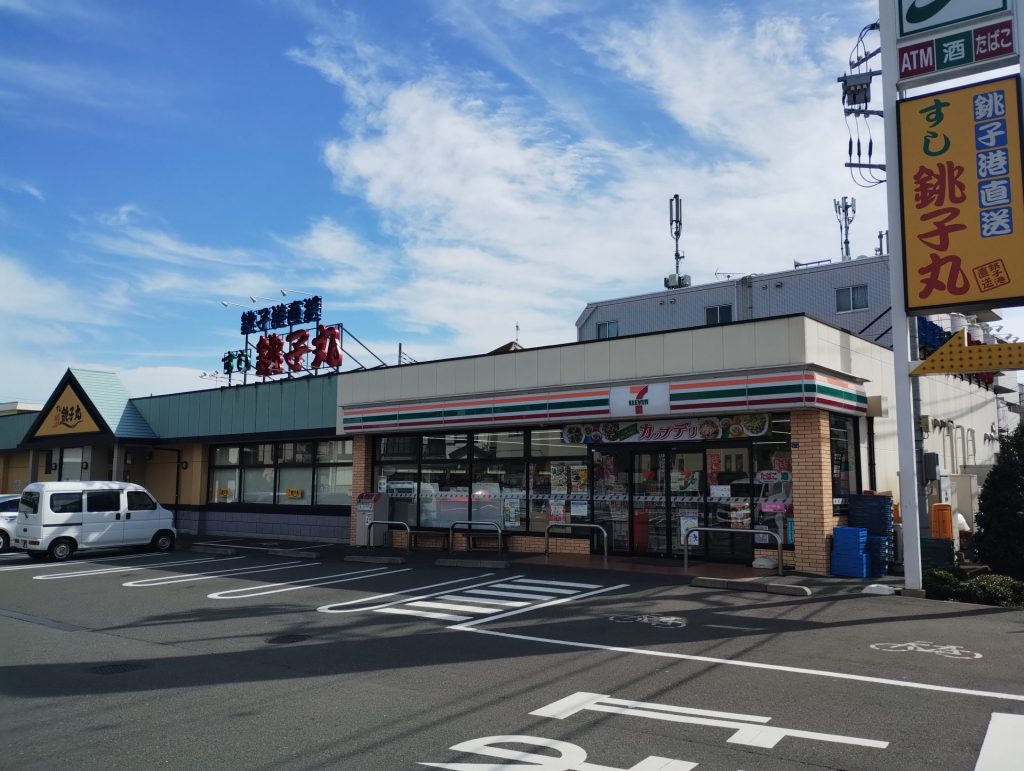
x=956, y=200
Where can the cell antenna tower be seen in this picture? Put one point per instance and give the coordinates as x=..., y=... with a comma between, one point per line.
x=846, y=210
x=675, y=223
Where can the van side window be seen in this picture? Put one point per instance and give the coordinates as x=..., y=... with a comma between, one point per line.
x=29, y=503
x=139, y=501
x=64, y=503
x=104, y=500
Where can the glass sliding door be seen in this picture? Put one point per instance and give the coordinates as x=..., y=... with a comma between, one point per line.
x=611, y=496
x=650, y=523
x=686, y=498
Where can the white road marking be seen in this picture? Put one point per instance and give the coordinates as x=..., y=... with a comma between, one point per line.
x=748, y=732
x=424, y=614
x=470, y=627
x=518, y=595
x=488, y=600
x=294, y=586
x=558, y=601
x=232, y=572
x=520, y=588
x=1003, y=745
x=557, y=583
x=452, y=606
x=105, y=571
x=363, y=600
x=76, y=563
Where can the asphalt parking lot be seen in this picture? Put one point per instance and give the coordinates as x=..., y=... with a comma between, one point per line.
x=258, y=660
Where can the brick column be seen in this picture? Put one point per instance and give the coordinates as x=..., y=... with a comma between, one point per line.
x=362, y=479
x=812, y=490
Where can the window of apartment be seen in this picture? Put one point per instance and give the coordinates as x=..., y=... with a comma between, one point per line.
x=718, y=314
x=606, y=329
x=851, y=298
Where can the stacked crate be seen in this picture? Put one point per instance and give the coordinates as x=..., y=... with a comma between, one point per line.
x=874, y=514
x=849, y=552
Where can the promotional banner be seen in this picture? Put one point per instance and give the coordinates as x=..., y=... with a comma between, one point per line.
x=961, y=194
x=682, y=430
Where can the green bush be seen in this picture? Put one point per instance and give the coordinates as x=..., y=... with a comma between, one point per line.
x=941, y=585
x=1002, y=591
x=999, y=539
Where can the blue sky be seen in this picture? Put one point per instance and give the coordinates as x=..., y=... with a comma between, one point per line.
x=439, y=171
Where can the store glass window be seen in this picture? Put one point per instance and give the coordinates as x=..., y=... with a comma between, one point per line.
x=498, y=444
x=547, y=442
x=258, y=455
x=224, y=485
x=296, y=453
x=334, y=451
x=396, y=447
x=225, y=456
x=771, y=486
x=843, y=447
x=499, y=493
x=258, y=485
x=400, y=480
x=295, y=485
x=444, y=494
x=446, y=447
x=334, y=485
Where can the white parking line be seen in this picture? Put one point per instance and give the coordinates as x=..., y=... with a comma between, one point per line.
x=470, y=627
x=558, y=601
x=104, y=571
x=424, y=614
x=364, y=600
x=517, y=595
x=167, y=581
x=294, y=586
x=83, y=562
x=545, y=588
x=488, y=600
x=452, y=606
x=557, y=583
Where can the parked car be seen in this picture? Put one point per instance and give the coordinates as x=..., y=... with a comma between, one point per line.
x=8, y=516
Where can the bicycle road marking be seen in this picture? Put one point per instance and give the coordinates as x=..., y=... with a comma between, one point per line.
x=294, y=586
x=146, y=583
x=106, y=571
x=470, y=627
x=331, y=608
x=925, y=646
x=78, y=564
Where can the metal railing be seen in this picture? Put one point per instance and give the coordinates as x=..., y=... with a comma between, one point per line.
x=730, y=531
x=451, y=533
x=547, y=534
x=408, y=530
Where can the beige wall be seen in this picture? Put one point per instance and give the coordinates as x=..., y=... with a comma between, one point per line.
x=13, y=472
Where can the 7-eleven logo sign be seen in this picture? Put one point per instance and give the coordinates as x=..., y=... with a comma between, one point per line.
x=638, y=398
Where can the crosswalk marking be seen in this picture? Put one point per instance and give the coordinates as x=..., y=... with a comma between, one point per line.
x=518, y=595
x=424, y=614
x=486, y=600
x=453, y=606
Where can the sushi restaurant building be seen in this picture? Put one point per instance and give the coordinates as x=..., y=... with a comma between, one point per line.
x=755, y=426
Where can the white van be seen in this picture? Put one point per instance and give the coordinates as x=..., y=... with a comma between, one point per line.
x=58, y=518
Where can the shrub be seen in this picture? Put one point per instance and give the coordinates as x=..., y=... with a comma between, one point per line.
x=941, y=585
x=1003, y=591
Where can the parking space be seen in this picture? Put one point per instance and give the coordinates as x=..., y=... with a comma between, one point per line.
x=631, y=674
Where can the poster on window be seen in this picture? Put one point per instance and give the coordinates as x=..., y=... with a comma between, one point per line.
x=510, y=511
x=557, y=511
x=579, y=509
x=559, y=478
x=578, y=479
x=689, y=518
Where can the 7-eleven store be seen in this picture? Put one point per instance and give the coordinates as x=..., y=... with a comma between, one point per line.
x=753, y=426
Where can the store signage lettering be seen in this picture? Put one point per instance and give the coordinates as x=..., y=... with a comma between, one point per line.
x=305, y=311
x=771, y=475
x=982, y=44
x=294, y=493
x=962, y=197
x=685, y=430
x=639, y=400
x=67, y=415
x=272, y=358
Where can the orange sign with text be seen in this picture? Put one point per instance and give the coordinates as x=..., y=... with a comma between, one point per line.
x=962, y=197
x=68, y=416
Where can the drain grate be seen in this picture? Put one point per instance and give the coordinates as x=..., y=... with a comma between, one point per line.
x=116, y=669
x=285, y=639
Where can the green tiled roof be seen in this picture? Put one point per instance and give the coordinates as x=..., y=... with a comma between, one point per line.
x=110, y=398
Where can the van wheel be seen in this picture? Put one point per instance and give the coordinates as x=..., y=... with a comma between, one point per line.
x=5, y=542
x=61, y=549
x=163, y=541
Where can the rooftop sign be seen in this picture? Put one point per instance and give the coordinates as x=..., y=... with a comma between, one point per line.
x=924, y=15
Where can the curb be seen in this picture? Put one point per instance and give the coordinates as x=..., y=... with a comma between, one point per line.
x=752, y=586
x=375, y=560
x=313, y=555
x=457, y=563
x=213, y=550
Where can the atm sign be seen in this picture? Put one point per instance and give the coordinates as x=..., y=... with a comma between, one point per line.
x=992, y=41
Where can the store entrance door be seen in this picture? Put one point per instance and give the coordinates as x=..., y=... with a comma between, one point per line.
x=728, y=504
x=650, y=521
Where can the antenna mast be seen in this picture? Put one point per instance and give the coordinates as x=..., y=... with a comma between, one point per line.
x=675, y=224
x=846, y=210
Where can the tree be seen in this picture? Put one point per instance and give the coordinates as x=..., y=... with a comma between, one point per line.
x=1000, y=536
